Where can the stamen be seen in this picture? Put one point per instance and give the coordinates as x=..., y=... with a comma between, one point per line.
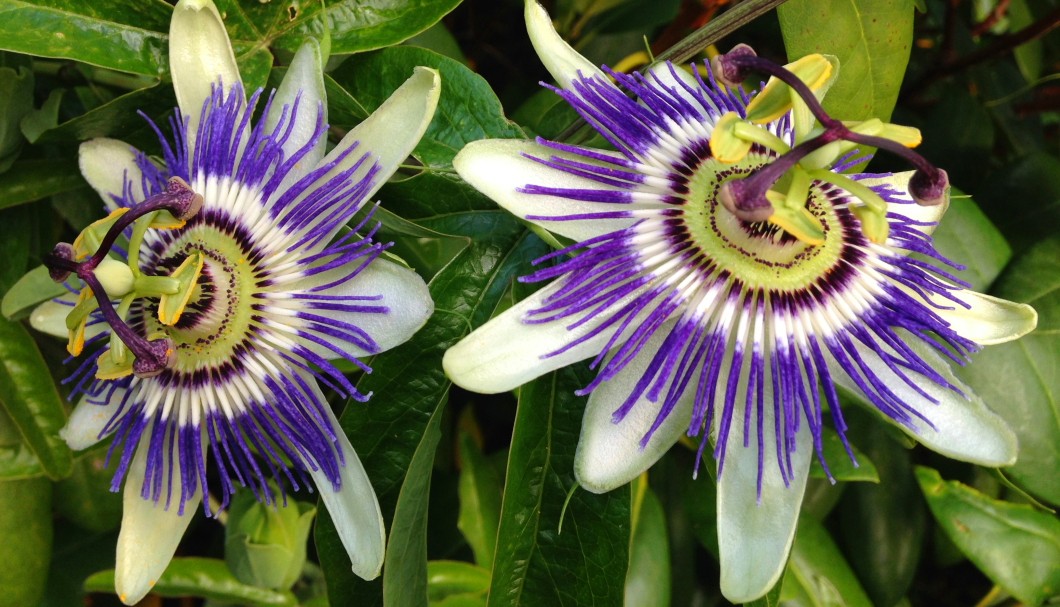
x=929, y=188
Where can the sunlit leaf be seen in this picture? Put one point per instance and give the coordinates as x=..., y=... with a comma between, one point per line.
x=992, y=533
x=872, y=41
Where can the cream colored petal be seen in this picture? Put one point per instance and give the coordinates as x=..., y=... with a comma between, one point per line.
x=964, y=427
x=354, y=508
x=200, y=56
x=506, y=352
x=562, y=61
x=149, y=533
x=304, y=83
x=383, y=140
x=755, y=534
x=50, y=317
x=500, y=167
x=609, y=453
x=401, y=290
x=87, y=421
x=106, y=164
x=989, y=320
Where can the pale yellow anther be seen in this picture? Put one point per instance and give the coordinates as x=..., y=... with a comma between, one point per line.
x=725, y=145
x=775, y=98
x=171, y=306
x=799, y=222
x=77, y=321
x=88, y=241
x=111, y=366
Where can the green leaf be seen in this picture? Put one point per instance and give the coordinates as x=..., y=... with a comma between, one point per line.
x=88, y=31
x=1015, y=545
x=648, y=577
x=839, y=464
x=817, y=574
x=446, y=579
x=117, y=118
x=536, y=563
x=43, y=119
x=872, y=41
x=480, y=501
x=201, y=577
x=771, y=599
x=409, y=382
x=968, y=237
x=85, y=497
x=28, y=394
x=30, y=180
x=1023, y=198
x=26, y=550
x=1018, y=379
x=16, y=101
x=882, y=526
x=1029, y=55
x=467, y=109
x=34, y=287
x=18, y=462
x=405, y=581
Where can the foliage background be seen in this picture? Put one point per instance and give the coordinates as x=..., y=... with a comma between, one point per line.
x=475, y=489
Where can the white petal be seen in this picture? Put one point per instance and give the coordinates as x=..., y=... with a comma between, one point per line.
x=200, y=56
x=965, y=428
x=403, y=292
x=899, y=182
x=87, y=421
x=506, y=353
x=106, y=164
x=387, y=137
x=499, y=167
x=682, y=84
x=50, y=317
x=149, y=533
x=354, y=509
x=562, y=61
x=303, y=82
x=754, y=537
x=609, y=454
x=990, y=320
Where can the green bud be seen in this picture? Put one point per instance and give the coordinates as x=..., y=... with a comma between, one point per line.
x=265, y=544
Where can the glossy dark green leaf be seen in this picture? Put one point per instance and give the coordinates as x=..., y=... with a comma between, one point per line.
x=86, y=31
x=968, y=237
x=817, y=574
x=30, y=180
x=447, y=579
x=117, y=118
x=408, y=381
x=85, y=497
x=405, y=580
x=1023, y=199
x=34, y=287
x=480, y=501
x=872, y=41
x=16, y=101
x=26, y=529
x=1018, y=379
x=839, y=463
x=467, y=109
x=1015, y=545
x=44, y=118
x=28, y=394
x=882, y=525
x=648, y=577
x=536, y=563
x=201, y=577
x=1029, y=56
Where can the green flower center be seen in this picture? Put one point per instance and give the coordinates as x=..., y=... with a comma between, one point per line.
x=219, y=316
x=759, y=254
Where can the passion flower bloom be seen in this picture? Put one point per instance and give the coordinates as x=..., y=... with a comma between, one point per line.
x=703, y=321
x=222, y=289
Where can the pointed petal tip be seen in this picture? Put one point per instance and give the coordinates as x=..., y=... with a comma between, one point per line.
x=990, y=320
x=200, y=55
x=559, y=58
